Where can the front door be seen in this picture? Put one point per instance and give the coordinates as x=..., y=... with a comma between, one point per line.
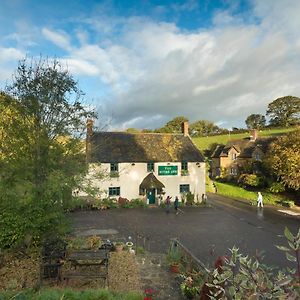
x=151, y=196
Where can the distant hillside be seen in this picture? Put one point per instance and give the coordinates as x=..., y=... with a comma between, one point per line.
x=204, y=142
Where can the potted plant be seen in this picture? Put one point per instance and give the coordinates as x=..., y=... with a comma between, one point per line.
x=188, y=289
x=174, y=258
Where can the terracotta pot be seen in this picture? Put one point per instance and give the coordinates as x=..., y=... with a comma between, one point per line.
x=174, y=268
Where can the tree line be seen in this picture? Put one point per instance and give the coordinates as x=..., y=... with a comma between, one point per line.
x=282, y=112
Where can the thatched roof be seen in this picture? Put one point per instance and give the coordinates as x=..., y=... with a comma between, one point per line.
x=151, y=182
x=143, y=147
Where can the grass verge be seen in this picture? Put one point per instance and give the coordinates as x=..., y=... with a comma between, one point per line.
x=233, y=191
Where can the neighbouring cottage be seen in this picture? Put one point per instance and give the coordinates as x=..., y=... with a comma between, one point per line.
x=232, y=159
x=144, y=165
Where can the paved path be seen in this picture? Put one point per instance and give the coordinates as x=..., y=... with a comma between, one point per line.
x=207, y=231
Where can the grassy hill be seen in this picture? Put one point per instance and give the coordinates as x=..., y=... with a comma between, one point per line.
x=204, y=142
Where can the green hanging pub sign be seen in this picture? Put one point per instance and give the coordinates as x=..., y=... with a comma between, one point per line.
x=167, y=170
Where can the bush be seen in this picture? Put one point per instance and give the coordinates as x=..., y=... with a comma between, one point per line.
x=250, y=181
x=134, y=203
x=277, y=187
x=190, y=198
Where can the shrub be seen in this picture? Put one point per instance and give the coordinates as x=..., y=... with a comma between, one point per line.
x=134, y=203
x=277, y=187
x=250, y=181
x=190, y=198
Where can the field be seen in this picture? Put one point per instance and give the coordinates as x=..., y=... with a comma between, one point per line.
x=204, y=142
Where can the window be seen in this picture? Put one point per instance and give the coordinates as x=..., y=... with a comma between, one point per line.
x=233, y=156
x=233, y=171
x=257, y=156
x=184, y=188
x=114, y=170
x=184, y=169
x=114, y=167
x=184, y=166
x=142, y=191
x=114, y=191
x=150, y=167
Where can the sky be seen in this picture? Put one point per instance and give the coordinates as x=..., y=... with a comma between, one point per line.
x=142, y=63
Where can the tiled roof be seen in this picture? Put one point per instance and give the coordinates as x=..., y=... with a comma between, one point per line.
x=143, y=147
x=246, y=147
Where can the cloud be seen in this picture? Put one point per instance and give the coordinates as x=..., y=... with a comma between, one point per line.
x=153, y=71
x=60, y=39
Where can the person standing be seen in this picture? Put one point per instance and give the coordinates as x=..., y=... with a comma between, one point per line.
x=176, y=205
x=168, y=203
x=260, y=200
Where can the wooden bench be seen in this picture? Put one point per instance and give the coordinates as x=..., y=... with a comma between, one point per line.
x=86, y=258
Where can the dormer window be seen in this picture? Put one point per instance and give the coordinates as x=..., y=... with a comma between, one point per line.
x=233, y=156
x=150, y=167
x=114, y=170
x=184, y=169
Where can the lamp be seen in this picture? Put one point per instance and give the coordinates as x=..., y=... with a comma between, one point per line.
x=133, y=164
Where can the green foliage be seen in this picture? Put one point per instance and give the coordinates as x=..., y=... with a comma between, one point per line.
x=255, y=121
x=204, y=143
x=173, y=126
x=242, y=277
x=250, y=181
x=277, y=187
x=235, y=192
x=284, y=111
x=135, y=203
x=204, y=128
x=284, y=159
x=174, y=255
x=41, y=151
x=68, y=294
x=190, y=198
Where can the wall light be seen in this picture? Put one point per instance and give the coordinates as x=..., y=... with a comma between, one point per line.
x=133, y=164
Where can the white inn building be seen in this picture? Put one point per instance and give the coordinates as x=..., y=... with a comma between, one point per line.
x=144, y=165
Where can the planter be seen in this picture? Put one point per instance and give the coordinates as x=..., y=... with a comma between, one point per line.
x=174, y=268
x=119, y=247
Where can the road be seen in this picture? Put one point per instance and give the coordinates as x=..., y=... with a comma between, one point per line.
x=207, y=231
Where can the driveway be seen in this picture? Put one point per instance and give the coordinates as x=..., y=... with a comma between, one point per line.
x=207, y=231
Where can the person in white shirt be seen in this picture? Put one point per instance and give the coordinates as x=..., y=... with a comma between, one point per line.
x=260, y=200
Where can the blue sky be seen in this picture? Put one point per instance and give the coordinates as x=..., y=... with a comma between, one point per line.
x=141, y=63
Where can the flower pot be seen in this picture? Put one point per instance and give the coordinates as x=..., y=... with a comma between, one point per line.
x=174, y=268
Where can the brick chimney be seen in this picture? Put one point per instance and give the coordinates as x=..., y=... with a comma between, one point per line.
x=185, y=128
x=89, y=133
x=253, y=135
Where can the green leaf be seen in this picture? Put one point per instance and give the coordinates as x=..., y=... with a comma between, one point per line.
x=290, y=257
x=288, y=234
x=282, y=248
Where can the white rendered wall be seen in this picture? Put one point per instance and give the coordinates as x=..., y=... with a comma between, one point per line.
x=131, y=176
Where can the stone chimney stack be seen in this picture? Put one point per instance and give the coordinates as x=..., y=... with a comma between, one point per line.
x=253, y=135
x=89, y=133
x=185, y=128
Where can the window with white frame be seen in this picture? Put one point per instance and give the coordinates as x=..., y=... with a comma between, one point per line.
x=233, y=171
x=150, y=167
x=114, y=191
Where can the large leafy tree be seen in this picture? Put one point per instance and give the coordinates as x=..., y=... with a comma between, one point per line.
x=255, y=121
x=284, y=159
x=41, y=124
x=284, y=111
x=204, y=128
x=173, y=126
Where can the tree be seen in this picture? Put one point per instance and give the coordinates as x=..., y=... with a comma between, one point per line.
x=204, y=128
x=284, y=159
x=173, y=126
x=284, y=111
x=255, y=121
x=43, y=154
